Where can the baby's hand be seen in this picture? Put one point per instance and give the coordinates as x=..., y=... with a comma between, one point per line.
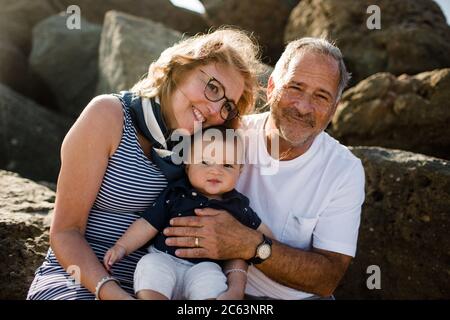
x=113, y=255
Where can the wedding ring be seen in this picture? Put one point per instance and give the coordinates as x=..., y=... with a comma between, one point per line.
x=196, y=242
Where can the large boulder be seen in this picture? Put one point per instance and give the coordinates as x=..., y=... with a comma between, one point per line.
x=66, y=60
x=24, y=225
x=128, y=45
x=16, y=21
x=162, y=11
x=404, y=227
x=409, y=112
x=266, y=19
x=30, y=136
x=414, y=35
x=18, y=17
x=14, y=71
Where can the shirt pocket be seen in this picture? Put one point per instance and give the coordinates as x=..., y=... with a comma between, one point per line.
x=298, y=231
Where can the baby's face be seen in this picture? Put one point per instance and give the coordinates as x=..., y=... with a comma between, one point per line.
x=213, y=175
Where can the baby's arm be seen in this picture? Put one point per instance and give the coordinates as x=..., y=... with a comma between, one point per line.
x=236, y=272
x=137, y=235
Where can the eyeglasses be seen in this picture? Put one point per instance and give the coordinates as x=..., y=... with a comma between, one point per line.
x=214, y=91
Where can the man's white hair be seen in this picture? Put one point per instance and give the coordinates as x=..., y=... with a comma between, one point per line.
x=307, y=44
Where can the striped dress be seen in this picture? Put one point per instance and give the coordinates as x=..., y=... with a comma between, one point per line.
x=131, y=183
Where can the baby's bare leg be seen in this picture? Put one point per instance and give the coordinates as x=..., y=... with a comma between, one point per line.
x=151, y=295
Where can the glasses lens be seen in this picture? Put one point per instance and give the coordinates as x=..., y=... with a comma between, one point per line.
x=228, y=111
x=214, y=91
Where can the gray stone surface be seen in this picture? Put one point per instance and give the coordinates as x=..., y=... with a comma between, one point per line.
x=409, y=112
x=128, y=45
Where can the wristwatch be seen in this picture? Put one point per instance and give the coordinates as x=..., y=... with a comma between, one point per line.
x=263, y=251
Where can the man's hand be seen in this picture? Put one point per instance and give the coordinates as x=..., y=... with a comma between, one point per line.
x=220, y=236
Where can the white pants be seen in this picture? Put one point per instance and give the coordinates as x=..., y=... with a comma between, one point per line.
x=177, y=278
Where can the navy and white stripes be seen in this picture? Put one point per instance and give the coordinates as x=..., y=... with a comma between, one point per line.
x=130, y=184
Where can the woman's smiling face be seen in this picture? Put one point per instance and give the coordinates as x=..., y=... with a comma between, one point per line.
x=188, y=103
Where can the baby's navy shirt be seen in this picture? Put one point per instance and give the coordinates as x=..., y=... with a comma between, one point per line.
x=180, y=199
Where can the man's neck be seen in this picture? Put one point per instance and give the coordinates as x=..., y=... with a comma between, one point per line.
x=287, y=151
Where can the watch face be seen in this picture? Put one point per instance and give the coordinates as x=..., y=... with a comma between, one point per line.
x=264, y=251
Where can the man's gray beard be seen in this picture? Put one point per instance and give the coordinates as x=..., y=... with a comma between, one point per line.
x=293, y=143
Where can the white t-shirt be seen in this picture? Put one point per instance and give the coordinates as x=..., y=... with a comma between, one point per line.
x=313, y=200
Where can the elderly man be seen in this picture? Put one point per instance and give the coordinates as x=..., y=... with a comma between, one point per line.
x=312, y=202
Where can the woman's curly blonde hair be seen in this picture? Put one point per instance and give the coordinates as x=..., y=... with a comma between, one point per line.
x=227, y=46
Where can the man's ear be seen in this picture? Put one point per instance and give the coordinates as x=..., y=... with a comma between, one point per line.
x=270, y=88
x=335, y=107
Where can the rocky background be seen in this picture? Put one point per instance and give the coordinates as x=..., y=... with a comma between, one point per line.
x=395, y=116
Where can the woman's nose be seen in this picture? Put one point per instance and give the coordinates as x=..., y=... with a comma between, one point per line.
x=214, y=108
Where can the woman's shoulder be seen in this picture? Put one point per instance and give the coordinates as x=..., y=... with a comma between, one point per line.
x=101, y=120
x=106, y=107
x=104, y=112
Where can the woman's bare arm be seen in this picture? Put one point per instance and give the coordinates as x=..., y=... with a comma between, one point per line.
x=84, y=157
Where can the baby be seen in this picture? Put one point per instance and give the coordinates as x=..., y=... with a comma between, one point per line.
x=209, y=182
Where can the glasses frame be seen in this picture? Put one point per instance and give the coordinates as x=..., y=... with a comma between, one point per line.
x=211, y=78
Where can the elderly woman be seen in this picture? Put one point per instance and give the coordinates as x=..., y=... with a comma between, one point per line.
x=110, y=171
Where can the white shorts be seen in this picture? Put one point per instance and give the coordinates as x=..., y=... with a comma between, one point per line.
x=177, y=278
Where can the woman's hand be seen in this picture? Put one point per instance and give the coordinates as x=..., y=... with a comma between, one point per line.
x=113, y=255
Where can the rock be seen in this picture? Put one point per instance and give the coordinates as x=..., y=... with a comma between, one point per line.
x=16, y=21
x=24, y=211
x=14, y=71
x=128, y=45
x=68, y=68
x=409, y=112
x=414, y=35
x=30, y=136
x=404, y=227
x=162, y=11
x=265, y=18
x=18, y=17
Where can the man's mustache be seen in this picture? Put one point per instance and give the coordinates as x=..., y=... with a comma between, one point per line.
x=296, y=115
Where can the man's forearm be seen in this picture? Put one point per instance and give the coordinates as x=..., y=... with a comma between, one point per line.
x=302, y=270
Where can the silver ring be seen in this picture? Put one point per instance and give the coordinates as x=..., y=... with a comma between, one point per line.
x=197, y=244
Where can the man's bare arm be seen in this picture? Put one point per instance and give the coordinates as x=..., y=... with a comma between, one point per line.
x=223, y=237
x=317, y=271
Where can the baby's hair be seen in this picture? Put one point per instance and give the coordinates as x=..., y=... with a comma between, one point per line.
x=215, y=132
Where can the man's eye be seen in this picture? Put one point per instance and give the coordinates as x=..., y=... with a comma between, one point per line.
x=228, y=165
x=205, y=163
